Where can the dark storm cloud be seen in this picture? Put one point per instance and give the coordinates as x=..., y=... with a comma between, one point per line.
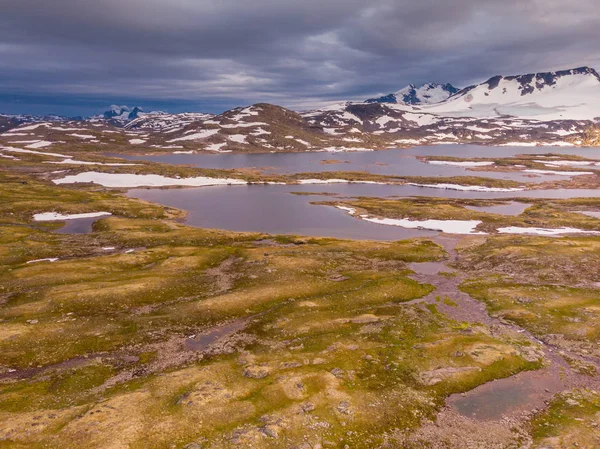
x=295, y=53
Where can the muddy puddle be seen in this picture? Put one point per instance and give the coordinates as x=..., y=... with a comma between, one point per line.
x=201, y=342
x=505, y=397
x=28, y=373
x=429, y=268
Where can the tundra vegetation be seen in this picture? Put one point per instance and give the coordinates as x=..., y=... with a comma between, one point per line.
x=147, y=333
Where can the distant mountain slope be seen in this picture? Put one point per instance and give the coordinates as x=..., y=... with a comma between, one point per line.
x=260, y=127
x=426, y=94
x=567, y=94
x=8, y=121
x=166, y=123
x=553, y=108
x=122, y=115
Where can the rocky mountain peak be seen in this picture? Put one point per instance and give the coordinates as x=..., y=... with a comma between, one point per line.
x=428, y=93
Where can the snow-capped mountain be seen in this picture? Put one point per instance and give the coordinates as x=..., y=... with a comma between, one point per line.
x=567, y=94
x=9, y=121
x=165, y=122
x=429, y=93
x=553, y=108
x=123, y=113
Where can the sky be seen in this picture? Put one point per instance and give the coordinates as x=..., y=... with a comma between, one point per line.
x=76, y=57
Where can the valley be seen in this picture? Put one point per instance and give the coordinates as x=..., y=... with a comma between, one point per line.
x=270, y=279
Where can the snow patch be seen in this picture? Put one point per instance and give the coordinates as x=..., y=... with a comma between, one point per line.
x=461, y=164
x=244, y=125
x=39, y=144
x=83, y=136
x=28, y=128
x=383, y=120
x=55, y=216
x=345, y=149
x=466, y=188
x=562, y=173
x=563, y=132
x=76, y=162
x=129, y=180
x=239, y=138
x=408, y=141
x=350, y=210
x=519, y=144
x=197, y=135
x=555, y=163
x=447, y=226
x=20, y=150
x=544, y=231
x=260, y=132
x=336, y=181
x=421, y=119
x=48, y=259
x=217, y=147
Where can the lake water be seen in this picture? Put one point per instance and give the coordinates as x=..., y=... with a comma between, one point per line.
x=78, y=226
x=270, y=210
x=590, y=214
x=399, y=162
x=273, y=209
x=513, y=208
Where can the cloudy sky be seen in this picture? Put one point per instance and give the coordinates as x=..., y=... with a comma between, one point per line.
x=78, y=56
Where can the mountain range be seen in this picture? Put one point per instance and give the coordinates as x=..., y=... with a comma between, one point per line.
x=566, y=94
x=549, y=108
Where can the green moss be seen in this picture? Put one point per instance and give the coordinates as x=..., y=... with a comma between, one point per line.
x=147, y=357
x=568, y=418
x=60, y=389
x=569, y=311
x=450, y=302
x=327, y=318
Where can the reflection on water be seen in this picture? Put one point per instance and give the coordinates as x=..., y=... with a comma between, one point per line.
x=268, y=210
x=512, y=208
x=78, y=226
x=389, y=162
x=429, y=268
x=204, y=341
x=272, y=209
x=504, y=397
x=493, y=404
